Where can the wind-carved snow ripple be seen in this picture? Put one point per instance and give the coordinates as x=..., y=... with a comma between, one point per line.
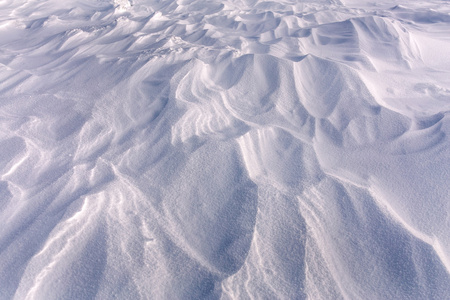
x=223, y=149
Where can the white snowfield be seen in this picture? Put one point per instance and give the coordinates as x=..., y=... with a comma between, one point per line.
x=236, y=149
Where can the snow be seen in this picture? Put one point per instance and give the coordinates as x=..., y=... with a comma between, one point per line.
x=236, y=149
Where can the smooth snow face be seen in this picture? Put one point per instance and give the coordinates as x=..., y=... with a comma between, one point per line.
x=224, y=149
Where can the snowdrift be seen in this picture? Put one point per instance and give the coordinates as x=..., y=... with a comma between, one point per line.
x=237, y=149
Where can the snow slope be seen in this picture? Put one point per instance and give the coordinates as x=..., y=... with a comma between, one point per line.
x=237, y=149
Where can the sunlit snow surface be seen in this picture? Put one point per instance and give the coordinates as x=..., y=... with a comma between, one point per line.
x=224, y=149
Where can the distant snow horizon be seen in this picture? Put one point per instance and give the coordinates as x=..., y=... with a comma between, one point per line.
x=236, y=149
